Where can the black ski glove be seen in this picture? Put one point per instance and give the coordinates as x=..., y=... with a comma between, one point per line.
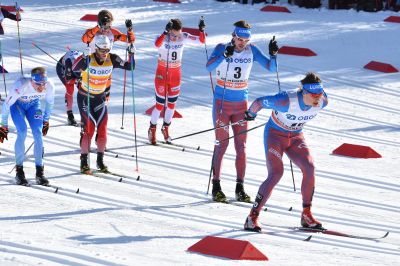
x=273, y=47
x=248, y=116
x=128, y=24
x=131, y=49
x=168, y=27
x=202, y=25
x=229, y=50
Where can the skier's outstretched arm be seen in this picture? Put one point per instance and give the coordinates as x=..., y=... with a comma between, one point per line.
x=278, y=102
x=119, y=63
x=89, y=34
x=262, y=59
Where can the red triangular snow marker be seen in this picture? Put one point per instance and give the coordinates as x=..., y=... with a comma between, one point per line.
x=89, y=17
x=168, y=1
x=357, y=151
x=176, y=113
x=381, y=67
x=227, y=248
x=296, y=51
x=192, y=31
x=3, y=69
x=271, y=8
x=11, y=9
x=395, y=19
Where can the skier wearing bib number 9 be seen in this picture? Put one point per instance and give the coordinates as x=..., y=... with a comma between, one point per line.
x=283, y=134
x=167, y=81
x=233, y=63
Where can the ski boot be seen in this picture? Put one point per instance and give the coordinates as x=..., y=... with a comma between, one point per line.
x=100, y=163
x=307, y=219
x=20, y=176
x=217, y=194
x=85, y=169
x=251, y=223
x=152, y=134
x=240, y=194
x=40, y=179
x=71, y=119
x=164, y=131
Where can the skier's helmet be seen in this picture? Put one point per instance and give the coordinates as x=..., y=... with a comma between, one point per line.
x=102, y=42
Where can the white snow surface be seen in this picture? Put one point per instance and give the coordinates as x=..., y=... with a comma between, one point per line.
x=155, y=220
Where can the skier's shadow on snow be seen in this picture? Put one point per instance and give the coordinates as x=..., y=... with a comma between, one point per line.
x=52, y=255
x=90, y=239
x=55, y=216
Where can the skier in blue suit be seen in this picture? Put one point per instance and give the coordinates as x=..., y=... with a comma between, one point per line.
x=24, y=102
x=232, y=63
x=291, y=110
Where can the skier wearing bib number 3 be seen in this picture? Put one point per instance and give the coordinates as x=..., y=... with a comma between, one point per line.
x=170, y=46
x=233, y=63
x=283, y=134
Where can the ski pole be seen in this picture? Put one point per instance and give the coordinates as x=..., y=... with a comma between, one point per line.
x=219, y=116
x=19, y=39
x=2, y=66
x=88, y=106
x=30, y=146
x=217, y=142
x=123, y=98
x=166, y=74
x=134, y=110
x=279, y=87
x=291, y=169
x=206, y=130
x=211, y=171
x=37, y=46
x=205, y=48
